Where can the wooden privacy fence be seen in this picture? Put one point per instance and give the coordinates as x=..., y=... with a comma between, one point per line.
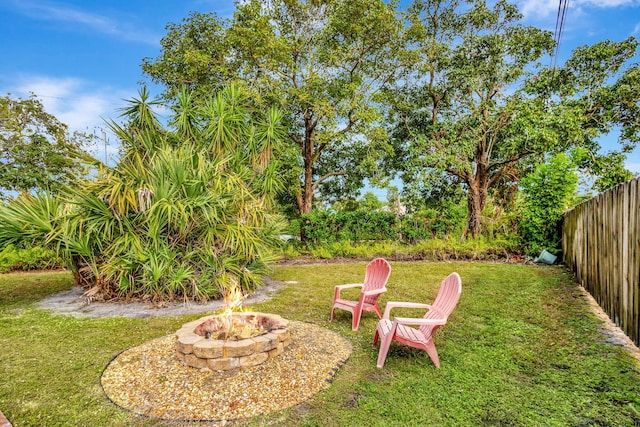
x=601, y=245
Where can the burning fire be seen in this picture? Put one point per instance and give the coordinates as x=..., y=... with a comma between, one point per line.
x=226, y=325
x=233, y=298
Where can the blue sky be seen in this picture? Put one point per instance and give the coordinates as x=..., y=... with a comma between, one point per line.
x=83, y=58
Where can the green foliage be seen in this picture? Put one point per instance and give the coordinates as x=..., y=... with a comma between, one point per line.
x=478, y=108
x=323, y=63
x=192, y=56
x=473, y=248
x=458, y=114
x=36, y=150
x=321, y=252
x=30, y=220
x=33, y=258
x=370, y=202
x=365, y=225
x=610, y=171
x=500, y=217
x=293, y=227
x=347, y=249
x=478, y=248
x=290, y=251
x=548, y=192
x=187, y=212
x=596, y=92
x=445, y=220
x=325, y=227
x=367, y=202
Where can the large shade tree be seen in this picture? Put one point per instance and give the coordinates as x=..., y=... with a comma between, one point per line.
x=322, y=62
x=37, y=151
x=481, y=108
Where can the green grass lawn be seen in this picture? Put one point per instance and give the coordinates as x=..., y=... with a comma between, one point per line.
x=521, y=349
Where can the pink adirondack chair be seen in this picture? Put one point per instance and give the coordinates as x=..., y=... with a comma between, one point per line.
x=401, y=330
x=375, y=280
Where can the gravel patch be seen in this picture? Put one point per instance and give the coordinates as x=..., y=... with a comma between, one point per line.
x=73, y=303
x=150, y=380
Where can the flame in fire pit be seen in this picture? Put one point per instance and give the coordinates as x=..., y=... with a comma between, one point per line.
x=233, y=298
x=227, y=326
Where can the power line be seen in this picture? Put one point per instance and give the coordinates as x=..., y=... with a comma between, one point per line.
x=557, y=36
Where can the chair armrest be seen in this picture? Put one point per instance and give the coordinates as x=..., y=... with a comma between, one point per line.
x=339, y=288
x=374, y=291
x=349, y=285
x=411, y=321
x=396, y=304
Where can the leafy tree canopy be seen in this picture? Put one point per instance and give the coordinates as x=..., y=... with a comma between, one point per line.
x=480, y=108
x=36, y=149
x=322, y=62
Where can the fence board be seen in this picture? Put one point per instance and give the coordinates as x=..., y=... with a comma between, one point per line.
x=601, y=245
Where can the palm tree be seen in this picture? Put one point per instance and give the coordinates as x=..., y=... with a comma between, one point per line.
x=188, y=210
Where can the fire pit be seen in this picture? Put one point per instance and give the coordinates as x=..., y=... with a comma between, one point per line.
x=232, y=340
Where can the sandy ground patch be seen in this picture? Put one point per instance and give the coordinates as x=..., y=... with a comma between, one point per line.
x=73, y=303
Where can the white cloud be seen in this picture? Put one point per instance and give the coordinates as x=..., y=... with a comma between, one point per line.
x=79, y=104
x=82, y=105
x=72, y=100
x=540, y=8
x=48, y=11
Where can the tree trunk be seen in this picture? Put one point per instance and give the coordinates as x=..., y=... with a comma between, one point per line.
x=304, y=198
x=477, y=196
x=475, y=203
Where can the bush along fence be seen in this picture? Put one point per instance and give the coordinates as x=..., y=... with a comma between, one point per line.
x=360, y=226
x=601, y=245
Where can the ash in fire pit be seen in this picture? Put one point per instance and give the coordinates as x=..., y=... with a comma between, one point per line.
x=236, y=327
x=242, y=339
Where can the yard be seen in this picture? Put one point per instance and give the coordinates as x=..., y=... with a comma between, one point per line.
x=522, y=348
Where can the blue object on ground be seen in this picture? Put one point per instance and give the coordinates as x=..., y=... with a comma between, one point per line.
x=545, y=258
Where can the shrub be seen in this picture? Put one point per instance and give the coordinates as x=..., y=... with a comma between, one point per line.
x=479, y=248
x=323, y=227
x=289, y=251
x=187, y=212
x=548, y=192
x=322, y=253
x=34, y=258
x=355, y=226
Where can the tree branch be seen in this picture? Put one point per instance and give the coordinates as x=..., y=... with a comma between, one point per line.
x=319, y=181
x=510, y=160
x=462, y=175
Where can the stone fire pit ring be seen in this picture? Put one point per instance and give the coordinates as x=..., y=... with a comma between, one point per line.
x=196, y=351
